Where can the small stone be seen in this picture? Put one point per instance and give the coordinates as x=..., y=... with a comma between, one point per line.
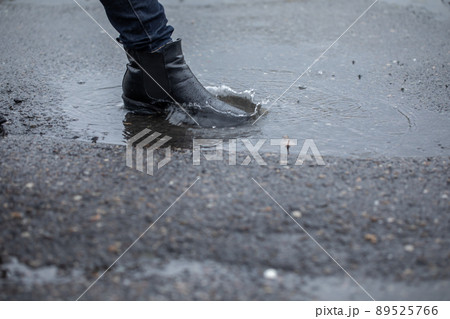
x=390, y=219
x=77, y=197
x=114, y=248
x=116, y=279
x=389, y=237
x=409, y=248
x=35, y=263
x=371, y=237
x=297, y=214
x=29, y=185
x=74, y=229
x=408, y=272
x=16, y=215
x=100, y=211
x=444, y=196
x=270, y=274
x=25, y=235
x=425, y=191
x=95, y=218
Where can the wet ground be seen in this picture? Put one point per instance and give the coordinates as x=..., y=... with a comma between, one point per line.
x=376, y=105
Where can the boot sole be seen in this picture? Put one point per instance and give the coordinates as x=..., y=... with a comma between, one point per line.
x=133, y=105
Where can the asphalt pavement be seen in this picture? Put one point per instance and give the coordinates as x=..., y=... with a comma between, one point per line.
x=361, y=227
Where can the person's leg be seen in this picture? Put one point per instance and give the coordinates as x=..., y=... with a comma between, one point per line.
x=142, y=24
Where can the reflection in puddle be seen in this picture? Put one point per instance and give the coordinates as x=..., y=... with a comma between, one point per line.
x=204, y=116
x=135, y=122
x=178, y=125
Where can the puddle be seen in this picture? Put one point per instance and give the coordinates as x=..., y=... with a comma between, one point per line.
x=340, y=124
x=21, y=273
x=342, y=289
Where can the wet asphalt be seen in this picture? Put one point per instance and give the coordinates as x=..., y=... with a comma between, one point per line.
x=70, y=206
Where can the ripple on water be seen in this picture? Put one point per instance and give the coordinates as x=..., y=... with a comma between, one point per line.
x=342, y=124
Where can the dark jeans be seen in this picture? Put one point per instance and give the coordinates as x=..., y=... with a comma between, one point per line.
x=142, y=24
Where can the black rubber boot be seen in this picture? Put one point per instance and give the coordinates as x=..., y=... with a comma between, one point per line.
x=168, y=68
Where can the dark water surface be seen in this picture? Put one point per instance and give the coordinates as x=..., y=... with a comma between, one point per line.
x=339, y=123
